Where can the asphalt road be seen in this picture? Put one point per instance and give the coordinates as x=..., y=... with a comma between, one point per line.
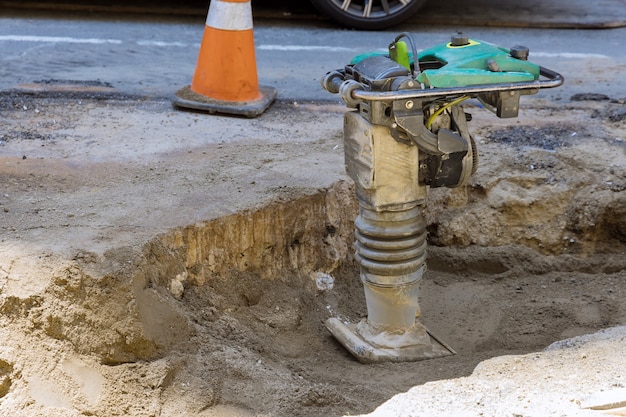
x=155, y=55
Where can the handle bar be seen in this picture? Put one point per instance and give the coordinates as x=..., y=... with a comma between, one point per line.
x=333, y=80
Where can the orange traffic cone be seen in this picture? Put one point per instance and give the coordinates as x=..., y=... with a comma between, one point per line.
x=225, y=80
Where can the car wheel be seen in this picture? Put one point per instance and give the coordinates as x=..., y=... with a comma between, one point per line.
x=368, y=14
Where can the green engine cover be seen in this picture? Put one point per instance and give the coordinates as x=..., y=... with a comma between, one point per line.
x=476, y=63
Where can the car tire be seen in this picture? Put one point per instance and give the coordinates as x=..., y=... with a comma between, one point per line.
x=384, y=13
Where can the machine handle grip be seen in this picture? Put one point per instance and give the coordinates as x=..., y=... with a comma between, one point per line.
x=552, y=79
x=332, y=81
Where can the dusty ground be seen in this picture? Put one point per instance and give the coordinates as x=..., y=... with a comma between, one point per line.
x=159, y=263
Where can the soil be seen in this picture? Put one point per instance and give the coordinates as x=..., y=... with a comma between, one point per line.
x=161, y=263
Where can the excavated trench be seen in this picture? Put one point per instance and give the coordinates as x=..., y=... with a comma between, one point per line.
x=226, y=316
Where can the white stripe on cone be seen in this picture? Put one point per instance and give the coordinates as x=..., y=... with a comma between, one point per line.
x=229, y=16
